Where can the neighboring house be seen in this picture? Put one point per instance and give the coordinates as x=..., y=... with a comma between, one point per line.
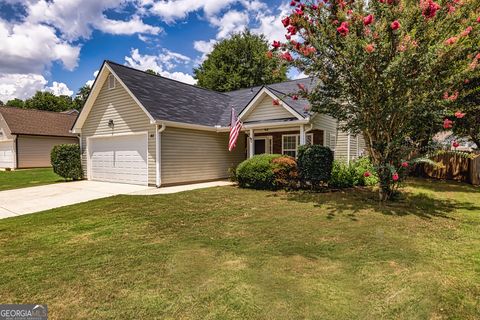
x=27, y=136
x=447, y=138
x=145, y=129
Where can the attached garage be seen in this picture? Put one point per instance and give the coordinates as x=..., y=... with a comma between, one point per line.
x=121, y=159
x=7, y=154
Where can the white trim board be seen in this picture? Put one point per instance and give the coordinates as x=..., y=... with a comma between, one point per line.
x=258, y=98
x=97, y=87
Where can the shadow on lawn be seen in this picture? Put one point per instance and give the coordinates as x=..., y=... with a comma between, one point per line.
x=445, y=185
x=353, y=201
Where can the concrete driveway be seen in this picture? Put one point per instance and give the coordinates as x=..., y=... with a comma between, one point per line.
x=29, y=200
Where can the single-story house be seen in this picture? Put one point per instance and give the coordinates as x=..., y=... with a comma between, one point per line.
x=27, y=136
x=145, y=129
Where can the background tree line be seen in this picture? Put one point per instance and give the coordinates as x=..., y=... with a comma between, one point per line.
x=43, y=100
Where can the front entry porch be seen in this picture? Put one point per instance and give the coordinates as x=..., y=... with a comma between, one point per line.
x=281, y=140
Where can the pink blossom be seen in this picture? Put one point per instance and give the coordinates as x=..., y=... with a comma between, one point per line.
x=293, y=3
x=429, y=8
x=343, y=29
x=295, y=97
x=299, y=12
x=455, y=144
x=451, y=41
x=368, y=20
x=276, y=102
x=276, y=44
x=447, y=123
x=370, y=48
x=292, y=30
x=288, y=37
x=314, y=7
x=395, y=176
x=395, y=25
x=367, y=174
x=467, y=31
x=459, y=115
x=451, y=8
x=478, y=19
x=335, y=22
x=286, y=21
x=287, y=56
x=404, y=164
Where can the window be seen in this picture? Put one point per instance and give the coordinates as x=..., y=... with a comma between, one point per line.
x=290, y=143
x=111, y=81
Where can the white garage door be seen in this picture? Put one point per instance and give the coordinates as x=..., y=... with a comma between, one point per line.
x=6, y=154
x=119, y=159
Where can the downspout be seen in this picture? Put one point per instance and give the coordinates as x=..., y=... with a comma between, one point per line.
x=158, y=148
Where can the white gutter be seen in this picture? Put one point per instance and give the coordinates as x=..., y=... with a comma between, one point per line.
x=158, y=159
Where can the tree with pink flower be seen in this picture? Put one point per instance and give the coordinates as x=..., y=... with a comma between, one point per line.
x=383, y=68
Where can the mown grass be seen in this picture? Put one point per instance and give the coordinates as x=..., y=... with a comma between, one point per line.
x=24, y=178
x=228, y=253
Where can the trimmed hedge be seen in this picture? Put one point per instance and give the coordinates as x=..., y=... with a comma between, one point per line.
x=66, y=161
x=315, y=164
x=267, y=171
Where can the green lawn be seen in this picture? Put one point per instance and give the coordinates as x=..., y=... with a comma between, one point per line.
x=27, y=178
x=228, y=253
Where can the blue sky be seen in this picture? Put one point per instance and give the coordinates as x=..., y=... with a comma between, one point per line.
x=58, y=45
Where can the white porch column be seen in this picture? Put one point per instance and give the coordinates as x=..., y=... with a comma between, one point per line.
x=302, y=135
x=252, y=143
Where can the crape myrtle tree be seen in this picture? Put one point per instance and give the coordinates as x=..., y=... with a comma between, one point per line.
x=388, y=69
x=467, y=123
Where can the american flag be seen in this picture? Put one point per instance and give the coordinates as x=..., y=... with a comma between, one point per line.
x=235, y=127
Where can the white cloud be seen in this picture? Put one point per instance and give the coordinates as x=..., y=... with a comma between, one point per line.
x=171, y=10
x=158, y=64
x=271, y=25
x=231, y=22
x=59, y=89
x=90, y=82
x=76, y=19
x=20, y=86
x=30, y=48
x=205, y=47
x=295, y=74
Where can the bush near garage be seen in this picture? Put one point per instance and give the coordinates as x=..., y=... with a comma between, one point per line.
x=66, y=161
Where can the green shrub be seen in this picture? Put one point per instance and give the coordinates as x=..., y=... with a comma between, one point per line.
x=343, y=176
x=285, y=173
x=262, y=172
x=66, y=161
x=315, y=164
x=362, y=165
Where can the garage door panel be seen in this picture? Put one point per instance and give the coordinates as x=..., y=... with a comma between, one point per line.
x=6, y=154
x=119, y=159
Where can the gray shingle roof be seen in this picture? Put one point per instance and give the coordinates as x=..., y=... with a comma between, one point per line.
x=171, y=100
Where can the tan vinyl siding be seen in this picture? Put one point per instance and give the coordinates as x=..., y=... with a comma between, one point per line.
x=128, y=117
x=357, y=146
x=265, y=110
x=328, y=124
x=34, y=151
x=193, y=155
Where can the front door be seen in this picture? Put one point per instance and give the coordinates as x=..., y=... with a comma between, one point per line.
x=260, y=146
